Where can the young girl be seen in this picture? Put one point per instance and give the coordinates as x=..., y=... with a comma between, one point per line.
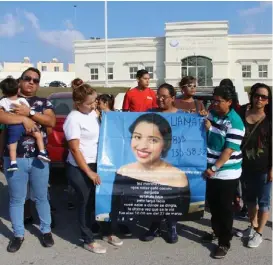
x=106, y=102
x=10, y=89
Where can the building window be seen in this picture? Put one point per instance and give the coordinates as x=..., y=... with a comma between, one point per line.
x=110, y=73
x=56, y=68
x=133, y=72
x=246, y=71
x=44, y=68
x=263, y=71
x=94, y=73
x=199, y=67
x=150, y=70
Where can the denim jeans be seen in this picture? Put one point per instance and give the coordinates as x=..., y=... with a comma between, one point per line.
x=36, y=173
x=258, y=190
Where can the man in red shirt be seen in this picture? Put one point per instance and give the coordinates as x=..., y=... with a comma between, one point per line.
x=140, y=98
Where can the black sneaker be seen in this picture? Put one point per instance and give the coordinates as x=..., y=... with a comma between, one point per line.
x=153, y=232
x=47, y=240
x=124, y=229
x=208, y=238
x=15, y=244
x=220, y=252
x=13, y=167
x=44, y=156
x=28, y=220
x=172, y=236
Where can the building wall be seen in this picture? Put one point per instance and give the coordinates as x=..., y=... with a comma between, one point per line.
x=15, y=66
x=71, y=67
x=50, y=67
x=209, y=39
x=46, y=77
x=251, y=50
x=122, y=54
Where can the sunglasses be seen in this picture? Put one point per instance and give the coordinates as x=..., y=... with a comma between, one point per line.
x=190, y=86
x=261, y=97
x=28, y=79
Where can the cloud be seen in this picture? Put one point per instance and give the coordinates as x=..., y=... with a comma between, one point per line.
x=255, y=10
x=252, y=16
x=32, y=19
x=11, y=26
x=68, y=24
x=62, y=39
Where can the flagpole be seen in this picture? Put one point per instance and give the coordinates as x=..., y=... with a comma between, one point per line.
x=106, y=42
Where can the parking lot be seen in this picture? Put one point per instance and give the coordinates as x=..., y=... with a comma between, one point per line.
x=67, y=249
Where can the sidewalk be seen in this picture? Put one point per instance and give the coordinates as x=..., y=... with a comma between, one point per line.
x=67, y=250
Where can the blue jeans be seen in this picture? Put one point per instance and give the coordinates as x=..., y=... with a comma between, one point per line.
x=36, y=172
x=258, y=190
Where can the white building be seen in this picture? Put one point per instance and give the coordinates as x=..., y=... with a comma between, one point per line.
x=201, y=49
x=50, y=71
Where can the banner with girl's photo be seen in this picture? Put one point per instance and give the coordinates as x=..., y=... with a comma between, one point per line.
x=151, y=166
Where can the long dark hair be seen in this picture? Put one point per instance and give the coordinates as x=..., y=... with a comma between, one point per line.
x=268, y=107
x=162, y=125
x=107, y=98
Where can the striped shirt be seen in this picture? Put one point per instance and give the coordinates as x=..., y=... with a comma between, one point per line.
x=225, y=132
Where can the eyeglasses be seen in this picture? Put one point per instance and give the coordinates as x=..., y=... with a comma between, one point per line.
x=215, y=101
x=162, y=97
x=261, y=97
x=28, y=79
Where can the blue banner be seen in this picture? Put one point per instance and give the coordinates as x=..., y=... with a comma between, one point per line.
x=151, y=166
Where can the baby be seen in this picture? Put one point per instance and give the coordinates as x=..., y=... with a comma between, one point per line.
x=10, y=90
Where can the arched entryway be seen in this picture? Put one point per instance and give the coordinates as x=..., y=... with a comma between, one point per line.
x=198, y=66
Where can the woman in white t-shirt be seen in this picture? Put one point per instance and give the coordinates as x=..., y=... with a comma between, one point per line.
x=81, y=130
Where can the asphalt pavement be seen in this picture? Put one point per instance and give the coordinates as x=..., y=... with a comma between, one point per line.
x=68, y=251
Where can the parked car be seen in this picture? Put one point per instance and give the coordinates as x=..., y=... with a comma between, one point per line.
x=57, y=84
x=57, y=146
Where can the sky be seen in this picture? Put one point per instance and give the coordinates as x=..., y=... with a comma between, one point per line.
x=45, y=30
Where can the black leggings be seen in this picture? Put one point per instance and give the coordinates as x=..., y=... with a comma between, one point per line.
x=85, y=190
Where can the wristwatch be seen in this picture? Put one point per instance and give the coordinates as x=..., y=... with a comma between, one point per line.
x=32, y=113
x=214, y=168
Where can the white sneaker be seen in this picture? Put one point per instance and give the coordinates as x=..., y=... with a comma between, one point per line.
x=247, y=233
x=255, y=241
x=113, y=240
x=95, y=248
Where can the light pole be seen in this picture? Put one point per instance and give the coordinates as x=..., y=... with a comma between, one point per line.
x=74, y=30
x=75, y=16
x=106, y=42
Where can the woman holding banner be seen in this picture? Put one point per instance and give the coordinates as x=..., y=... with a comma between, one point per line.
x=81, y=130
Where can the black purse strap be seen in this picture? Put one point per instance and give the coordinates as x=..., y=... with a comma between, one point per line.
x=252, y=132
